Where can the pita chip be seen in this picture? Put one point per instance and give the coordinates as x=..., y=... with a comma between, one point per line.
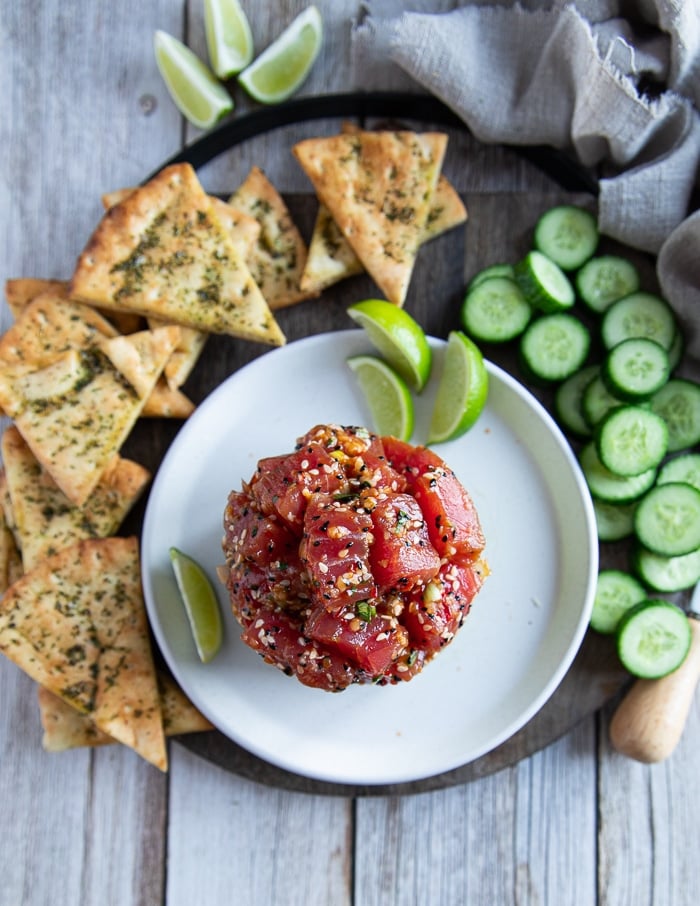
x=46, y=521
x=65, y=728
x=162, y=252
x=21, y=291
x=10, y=560
x=167, y=402
x=277, y=259
x=378, y=187
x=76, y=412
x=77, y=625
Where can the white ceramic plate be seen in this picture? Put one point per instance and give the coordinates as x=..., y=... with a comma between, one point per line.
x=521, y=636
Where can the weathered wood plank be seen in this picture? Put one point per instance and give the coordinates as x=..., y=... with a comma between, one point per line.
x=524, y=835
x=267, y=845
x=80, y=83
x=649, y=818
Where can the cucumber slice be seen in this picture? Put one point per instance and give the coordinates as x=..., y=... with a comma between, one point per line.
x=553, y=347
x=667, y=520
x=605, y=279
x=597, y=401
x=493, y=270
x=616, y=593
x=635, y=369
x=495, y=310
x=568, y=235
x=631, y=440
x=568, y=401
x=639, y=315
x=614, y=521
x=678, y=404
x=544, y=284
x=653, y=638
x=667, y=574
x=685, y=468
x=606, y=485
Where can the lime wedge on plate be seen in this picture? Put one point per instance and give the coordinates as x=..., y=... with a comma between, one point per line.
x=387, y=395
x=229, y=38
x=195, y=90
x=462, y=391
x=282, y=67
x=399, y=339
x=201, y=604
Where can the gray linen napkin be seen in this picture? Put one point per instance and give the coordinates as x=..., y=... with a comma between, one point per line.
x=619, y=94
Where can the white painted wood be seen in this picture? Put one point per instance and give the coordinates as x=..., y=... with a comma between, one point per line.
x=570, y=824
x=649, y=823
x=232, y=840
x=524, y=835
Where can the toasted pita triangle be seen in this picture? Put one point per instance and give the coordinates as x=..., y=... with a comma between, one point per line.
x=66, y=728
x=378, y=187
x=10, y=560
x=76, y=412
x=163, y=253
x=277, y=259
x=77, y=625
x=49, y=324
x=46, y=521
x=167, y=402
x=331, y=257
x=21, y=291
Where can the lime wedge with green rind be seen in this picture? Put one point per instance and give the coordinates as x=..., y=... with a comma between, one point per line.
x=398, y=338
x=195, y=90
x=201, y=604
x=229, y=37
x=462, y=391
x=282, y=67
x=387, y=395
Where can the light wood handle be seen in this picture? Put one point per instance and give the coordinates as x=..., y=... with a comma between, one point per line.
x=650, y=719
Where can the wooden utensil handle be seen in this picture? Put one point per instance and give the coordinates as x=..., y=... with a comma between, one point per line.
x=650, y=719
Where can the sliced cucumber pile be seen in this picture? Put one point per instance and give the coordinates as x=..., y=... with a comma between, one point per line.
x=609, y=349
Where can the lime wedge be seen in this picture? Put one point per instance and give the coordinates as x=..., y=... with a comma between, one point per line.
x=282, y=67
x=201, y=604
x=229, y=38
x=193, y=87
x=462, y=391
x=387, y=395
x=399, y=339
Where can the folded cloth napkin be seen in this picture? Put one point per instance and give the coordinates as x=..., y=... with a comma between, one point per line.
x=620, y=95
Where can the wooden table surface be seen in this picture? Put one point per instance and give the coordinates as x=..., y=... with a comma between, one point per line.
x=560, y=819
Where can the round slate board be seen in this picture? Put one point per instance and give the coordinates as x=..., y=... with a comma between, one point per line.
x=499, y=228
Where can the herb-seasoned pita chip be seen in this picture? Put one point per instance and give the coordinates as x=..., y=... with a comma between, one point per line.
x=76, y=412
x=10, y=560
x=51, y=324
x=46, y=521
x=378, y=187
x=185, y=355
x=166, y=402
x=66, y=728
x=162, y=252
x=277, y=259
x=20, y=291
x=23, y=290
x=331, y=257
x=77, y=625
